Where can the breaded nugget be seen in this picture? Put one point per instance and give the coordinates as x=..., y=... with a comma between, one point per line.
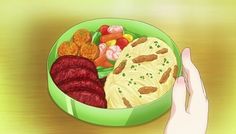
x=68, y=48
x=89, y=51
x=82, y=36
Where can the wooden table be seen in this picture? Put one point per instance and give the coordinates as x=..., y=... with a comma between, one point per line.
x=29, y=29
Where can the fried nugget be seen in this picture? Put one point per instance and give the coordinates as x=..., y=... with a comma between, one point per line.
x=89, y=51
x=68, y=48
x=82, y=36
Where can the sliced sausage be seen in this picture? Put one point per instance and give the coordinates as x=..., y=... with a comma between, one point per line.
x=70, y=61
x=162, y=51
x=144, y=58
x=120, y=67
x=139, y=41
x=89, y=98
x=165, y=76
x=74, y=73
x=147, y=89
x=76, y=85
x=126, y=102
x=175, y=71
x=103, y=80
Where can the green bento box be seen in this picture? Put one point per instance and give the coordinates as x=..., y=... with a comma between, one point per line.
x=111, y=117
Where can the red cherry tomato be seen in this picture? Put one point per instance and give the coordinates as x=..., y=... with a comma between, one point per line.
x=103, y=29
x=122, y=42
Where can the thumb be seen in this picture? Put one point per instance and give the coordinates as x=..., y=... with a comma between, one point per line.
x=178, y=96
x=191, y=74
x=197, y=100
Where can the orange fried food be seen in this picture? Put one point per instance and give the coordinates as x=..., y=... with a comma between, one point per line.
x=68, y=48
x=82, y=36
x=89, y=51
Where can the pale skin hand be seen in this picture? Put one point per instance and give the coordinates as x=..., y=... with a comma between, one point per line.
x=190, y=119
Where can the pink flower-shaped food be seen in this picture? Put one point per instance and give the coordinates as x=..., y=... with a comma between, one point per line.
x=113, y=53
x=115, y=29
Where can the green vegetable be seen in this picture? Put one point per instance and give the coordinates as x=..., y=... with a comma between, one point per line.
x=92, y=32
x=103, y=72
x=119, y=90
x=127, y=55
x=123, y=74
x=112, y=62
x=141, y=77
x=132, y=66
x=96, y=38
x=165, y=60
x=135, y=35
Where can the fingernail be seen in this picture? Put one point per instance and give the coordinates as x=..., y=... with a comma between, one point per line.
x=186, y=53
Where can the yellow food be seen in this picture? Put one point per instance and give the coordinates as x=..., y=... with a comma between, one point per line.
x=111, y=43
x=128, y=37
x=141, y=82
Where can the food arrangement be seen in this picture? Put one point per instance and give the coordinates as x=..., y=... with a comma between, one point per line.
x=77, y=77
x=145, y=70
x=114, y=68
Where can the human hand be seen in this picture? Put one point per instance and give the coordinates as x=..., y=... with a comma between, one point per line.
x=193, y=118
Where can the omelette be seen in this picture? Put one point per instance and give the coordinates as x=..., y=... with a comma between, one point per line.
x=145, y=70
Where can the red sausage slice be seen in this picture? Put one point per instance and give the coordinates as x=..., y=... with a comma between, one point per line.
x=71, y=61
x=76, y=85
x=89, y=98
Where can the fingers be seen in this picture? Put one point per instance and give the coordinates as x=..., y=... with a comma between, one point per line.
x=191, y=74
x=197, y=99
x=178, y=96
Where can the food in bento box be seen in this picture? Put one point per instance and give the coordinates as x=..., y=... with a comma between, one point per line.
x=77, y=77
x=102, y=47
x=90, y=51
x=102, y=60
x=115, y=29
x=109, y=37
x=104, y=29
x=145, y=70
x=81, y=37
x=68, y=48
x=113, y=53
x=114, y=68
x=88, y=98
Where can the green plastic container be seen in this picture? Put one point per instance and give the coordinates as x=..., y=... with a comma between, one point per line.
x=112, y=117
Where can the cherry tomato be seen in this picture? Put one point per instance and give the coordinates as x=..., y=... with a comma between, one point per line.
x=103, y=29
x=122, y=42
